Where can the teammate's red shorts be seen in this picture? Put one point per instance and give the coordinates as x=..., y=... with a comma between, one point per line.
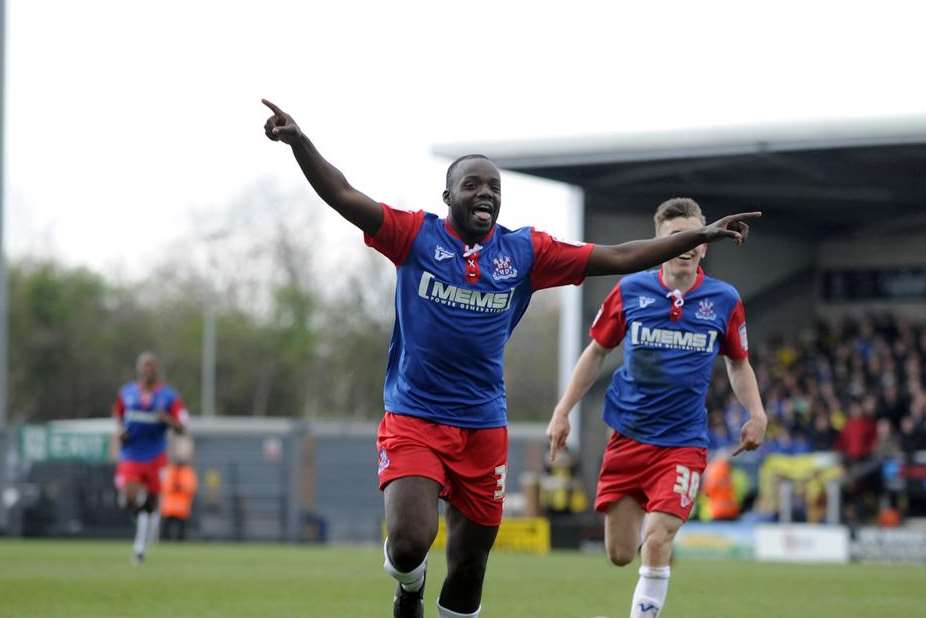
x=663, y=479
x=146, y=472
x=469, y=464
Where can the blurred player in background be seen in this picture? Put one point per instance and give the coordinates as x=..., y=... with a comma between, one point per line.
x=463, y=284
x=673, y=322
x=144, y=411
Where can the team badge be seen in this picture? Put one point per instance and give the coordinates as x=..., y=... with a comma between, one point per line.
x=503, y=269
x=441, y=254
x=705, y=310
x=383, y=461
x=646, y=301
x=743, y=339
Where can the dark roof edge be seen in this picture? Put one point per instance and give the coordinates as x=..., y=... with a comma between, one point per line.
x=695, y=143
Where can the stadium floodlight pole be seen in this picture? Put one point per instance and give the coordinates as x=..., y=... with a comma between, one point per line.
x=4, y=313
x=207, y=393
x=570, y=319
x=208, y=369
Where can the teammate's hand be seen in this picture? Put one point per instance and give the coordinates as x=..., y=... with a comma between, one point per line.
x=281, y=127
x=557, y=432
x=751, y=435
x=732, y=226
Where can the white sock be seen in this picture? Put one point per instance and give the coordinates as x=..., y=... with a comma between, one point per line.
x=411, y=581
x=141, y=532
x=154, y=526
x=443, y=612
x=649, y=596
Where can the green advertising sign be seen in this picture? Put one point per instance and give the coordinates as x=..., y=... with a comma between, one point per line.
x=38, y=443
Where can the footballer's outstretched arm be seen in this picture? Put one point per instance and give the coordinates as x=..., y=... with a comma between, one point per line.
x=115, y=445
x=746, y=389
x=587, y=370
x=637, y=255
x=171, y=422
x=326, y=179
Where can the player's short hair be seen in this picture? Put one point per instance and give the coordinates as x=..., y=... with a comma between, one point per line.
x=677, y=207
x=460, y=160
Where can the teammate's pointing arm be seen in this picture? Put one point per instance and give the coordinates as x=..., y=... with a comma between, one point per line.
x=638, y=255
x=326, y=179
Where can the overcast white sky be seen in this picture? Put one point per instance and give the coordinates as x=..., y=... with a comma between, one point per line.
x=124, y=118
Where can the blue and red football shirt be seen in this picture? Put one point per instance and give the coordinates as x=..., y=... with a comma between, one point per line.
x=670, y=342
x=456, y=307
x=137, y=409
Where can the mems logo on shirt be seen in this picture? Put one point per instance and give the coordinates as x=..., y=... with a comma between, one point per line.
x=142, y=416
x=464, y=298
x=672, y=339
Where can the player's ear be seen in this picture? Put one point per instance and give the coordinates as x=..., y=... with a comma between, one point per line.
x=447, y=197
x=702, y=250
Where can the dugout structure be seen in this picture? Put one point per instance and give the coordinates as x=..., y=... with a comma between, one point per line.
x=844, y=226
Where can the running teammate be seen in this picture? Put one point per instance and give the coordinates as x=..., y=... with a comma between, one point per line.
x=673, y=323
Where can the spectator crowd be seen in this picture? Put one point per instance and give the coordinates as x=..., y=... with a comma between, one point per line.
x=855, y=386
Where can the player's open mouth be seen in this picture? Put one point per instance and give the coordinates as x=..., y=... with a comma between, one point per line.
x=482, y=212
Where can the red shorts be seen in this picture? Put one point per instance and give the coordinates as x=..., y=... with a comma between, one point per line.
x=664, y=479
x=469, y=464
x=147, y=473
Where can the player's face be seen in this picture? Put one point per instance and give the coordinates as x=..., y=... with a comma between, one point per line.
x=474, y=197
x=687, y=263
x=147, y=369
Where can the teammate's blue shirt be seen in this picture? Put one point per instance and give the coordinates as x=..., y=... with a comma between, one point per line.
x=137, y=409
x=670, y=342
x=456, y=307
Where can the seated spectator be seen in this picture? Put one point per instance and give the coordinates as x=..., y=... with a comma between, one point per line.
x=912, y=435
x=719, y=434
x=890, y=405
x=785, y=442
x=822, y=435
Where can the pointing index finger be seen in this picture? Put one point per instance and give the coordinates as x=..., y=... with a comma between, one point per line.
x=742, y=216
x=272, y=106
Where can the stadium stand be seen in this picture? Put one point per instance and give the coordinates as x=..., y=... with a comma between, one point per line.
x=853, y=386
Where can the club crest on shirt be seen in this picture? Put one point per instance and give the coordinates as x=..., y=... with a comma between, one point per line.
x=646, y=301
x=705, y=310
x=441, y=254
x=503, y=269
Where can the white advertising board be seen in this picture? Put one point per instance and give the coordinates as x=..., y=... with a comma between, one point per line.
x=802, y=543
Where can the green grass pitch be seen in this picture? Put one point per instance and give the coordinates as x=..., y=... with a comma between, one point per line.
x=77, y=579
